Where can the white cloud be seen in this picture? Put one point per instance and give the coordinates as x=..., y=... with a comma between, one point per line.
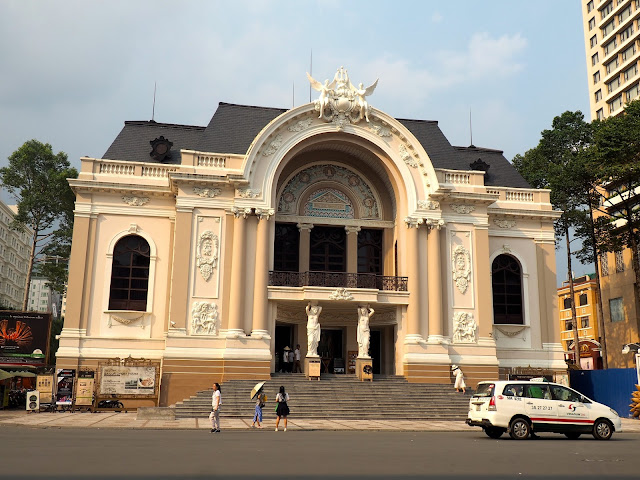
x=437, y=17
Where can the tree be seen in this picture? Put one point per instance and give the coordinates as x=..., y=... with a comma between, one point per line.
x=37, y=180
x=553, y=164
x=618, y=153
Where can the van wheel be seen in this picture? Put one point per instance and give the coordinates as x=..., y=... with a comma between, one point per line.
x=572, y=435
x=494, y=432
x=519, y=429
x=602, y=429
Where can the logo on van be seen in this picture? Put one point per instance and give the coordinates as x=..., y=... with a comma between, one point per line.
x=572, y=407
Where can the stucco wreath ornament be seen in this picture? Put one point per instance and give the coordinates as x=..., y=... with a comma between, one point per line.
x=461, y=262
x=207, y=257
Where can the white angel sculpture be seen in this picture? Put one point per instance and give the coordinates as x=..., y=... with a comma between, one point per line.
x=324, y=90
x=361, y=93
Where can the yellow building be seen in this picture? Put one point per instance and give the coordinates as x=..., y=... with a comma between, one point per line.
x=586, y=302
x=270, y=228
x=612, y=44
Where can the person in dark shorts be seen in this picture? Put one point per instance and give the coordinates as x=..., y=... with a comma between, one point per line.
x=282, y=410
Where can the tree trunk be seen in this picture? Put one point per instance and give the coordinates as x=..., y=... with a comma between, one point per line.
x=574, y=318
x=600, y=312
x=32, y=254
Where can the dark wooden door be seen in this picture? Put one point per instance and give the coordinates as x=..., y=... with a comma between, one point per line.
x=328, y=251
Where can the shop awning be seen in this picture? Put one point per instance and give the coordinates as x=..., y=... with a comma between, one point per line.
x=4, y=374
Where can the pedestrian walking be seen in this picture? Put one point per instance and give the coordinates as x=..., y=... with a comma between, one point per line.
x=282, y=410
x=459, y=384
x=297, y=368
x=216, y=402
x=261, y=399
x=285, y=359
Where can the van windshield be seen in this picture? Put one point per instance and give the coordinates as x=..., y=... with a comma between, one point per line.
x=484, y=390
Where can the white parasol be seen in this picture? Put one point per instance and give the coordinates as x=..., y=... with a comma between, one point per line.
x=256, y=389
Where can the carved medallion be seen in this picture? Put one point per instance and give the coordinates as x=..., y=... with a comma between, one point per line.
x=461, y=262
x=341, y=294
x=248, y=193
x=428, y=204
x=273, y=146
x=502, y=223
x=300, y=125
x=407, y=157
x=207, y=256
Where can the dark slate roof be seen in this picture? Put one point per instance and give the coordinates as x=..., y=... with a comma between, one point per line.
x=233, y=127
x=132, y=143
x=500, y=174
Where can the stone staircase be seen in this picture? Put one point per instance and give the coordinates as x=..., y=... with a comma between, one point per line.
x=337, y=396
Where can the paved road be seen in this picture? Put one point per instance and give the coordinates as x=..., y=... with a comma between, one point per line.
x=31, y=453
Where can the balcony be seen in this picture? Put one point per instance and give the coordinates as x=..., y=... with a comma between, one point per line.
x=337, y=279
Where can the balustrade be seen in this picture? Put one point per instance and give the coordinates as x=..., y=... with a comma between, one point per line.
x=337, y=279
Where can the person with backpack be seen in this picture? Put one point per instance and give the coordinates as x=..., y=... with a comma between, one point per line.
x=282, y=409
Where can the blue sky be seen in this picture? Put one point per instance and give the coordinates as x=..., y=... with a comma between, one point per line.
x=72, y=72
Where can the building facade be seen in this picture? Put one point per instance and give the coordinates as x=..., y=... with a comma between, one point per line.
x=331, y=225
x=42, y=298
x=586, y=302
x=14, y=259
x=612, y=44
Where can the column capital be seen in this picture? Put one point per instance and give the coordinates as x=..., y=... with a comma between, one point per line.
x=352, y=229
x=241, y=212
x=411, y=222
x=434, y=223
x=264, y=213
x=304, y=226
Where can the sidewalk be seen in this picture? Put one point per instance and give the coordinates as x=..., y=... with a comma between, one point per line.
x=128, y=421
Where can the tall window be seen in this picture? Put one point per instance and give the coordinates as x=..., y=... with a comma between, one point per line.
x=619, y=262
x=506, y=280
x=616, y=309
x=286, y=248
x=130, y=274
x=370, y=251
x=328, y=252
x=567, y=303
x=583, y=299
x=604, y=264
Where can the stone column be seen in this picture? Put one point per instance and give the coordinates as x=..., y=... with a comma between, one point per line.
x=413, y=274
x=434, y=272
x=423, y=259
x=305, y=246
x=483, y=288
x=352, y=249
x=77, y=268
x=236, y=303
x=180, y=269
x=261, y=282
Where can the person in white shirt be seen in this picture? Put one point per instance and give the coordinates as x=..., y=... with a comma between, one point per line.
x=216, y=401
x=297, y=368
x=285, y=359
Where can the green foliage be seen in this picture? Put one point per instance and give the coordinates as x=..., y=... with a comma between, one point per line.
x=56, y=328
x=37, y=179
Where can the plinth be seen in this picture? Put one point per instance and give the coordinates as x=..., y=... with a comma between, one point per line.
x=312, y=367
x=364, y=369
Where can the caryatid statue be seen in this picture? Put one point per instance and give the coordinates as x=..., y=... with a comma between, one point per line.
x=364, y=334
x=313, y=329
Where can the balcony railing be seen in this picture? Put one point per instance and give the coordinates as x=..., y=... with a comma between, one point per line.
x=337, y=279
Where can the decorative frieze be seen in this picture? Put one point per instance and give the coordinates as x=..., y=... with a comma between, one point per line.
x=248, y=193
x=462, y=208
x=465, y=328
x=341, y=294
x=428, y=204
x=135, y=201
x=300, y=125
x=461, y=263
x=206, y=192
x=273, y=147
x=207, y=255
x=503, y=223
x=380, y=130
x=204, y=318
x=407, y=157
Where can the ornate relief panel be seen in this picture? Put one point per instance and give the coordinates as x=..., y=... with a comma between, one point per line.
x=328, y=202
x=465, y=328
x=461, y=269
x=204, y=319
x=289, y=200
x=207, y=248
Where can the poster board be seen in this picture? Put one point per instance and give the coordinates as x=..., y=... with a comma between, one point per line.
x=24, y=338
x=44, y=384
x=351, y=361
x=128, y=378
x=84, y=388
x=64, y=393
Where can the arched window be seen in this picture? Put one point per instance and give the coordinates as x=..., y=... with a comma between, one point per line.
x=130, y=274
x=506, y=281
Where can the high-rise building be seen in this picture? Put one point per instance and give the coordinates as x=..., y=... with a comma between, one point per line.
x=42, y=298
x=612, y=44
x=14, y=254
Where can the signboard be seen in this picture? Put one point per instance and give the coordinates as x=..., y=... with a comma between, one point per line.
x=351, y=361
x=64, y=394
x=127, y=380
x=24, y=337
x=44, y=384
x=84, y=388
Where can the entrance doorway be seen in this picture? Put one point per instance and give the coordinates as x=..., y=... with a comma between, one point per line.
x=284, y=338
x=375, y=350
x=328, y=252
x=330, y=349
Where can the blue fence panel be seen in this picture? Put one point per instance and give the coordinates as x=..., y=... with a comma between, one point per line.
x=613, y=387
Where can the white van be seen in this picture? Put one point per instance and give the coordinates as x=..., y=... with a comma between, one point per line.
x=527, y=407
